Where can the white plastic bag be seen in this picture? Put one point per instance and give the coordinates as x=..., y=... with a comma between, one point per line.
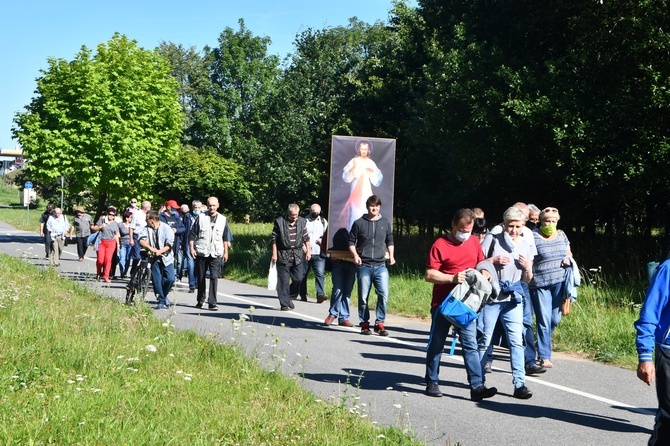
x=272, y=277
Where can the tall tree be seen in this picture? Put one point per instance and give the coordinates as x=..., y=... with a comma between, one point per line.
x=104, y=120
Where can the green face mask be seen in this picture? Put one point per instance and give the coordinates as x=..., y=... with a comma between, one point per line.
x=548, y=230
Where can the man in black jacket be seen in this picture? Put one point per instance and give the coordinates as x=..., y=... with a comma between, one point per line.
x=370, y=239
x=290, y=248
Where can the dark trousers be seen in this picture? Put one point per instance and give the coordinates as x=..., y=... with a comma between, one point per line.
x=289, y=279
x=213, y=265
x=661, y=433
x=47, y=241
x=82, y=246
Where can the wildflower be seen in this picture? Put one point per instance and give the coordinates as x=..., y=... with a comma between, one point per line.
x=96, y=390
x=381, y=436
x=120, y=357
x=397, y=406
x=69, y=381
x=187, y=378
x=179, y=372
x=243, y=317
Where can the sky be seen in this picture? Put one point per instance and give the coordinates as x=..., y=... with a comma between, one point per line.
x=31, y=31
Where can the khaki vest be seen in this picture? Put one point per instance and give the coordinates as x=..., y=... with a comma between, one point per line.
x=210, y=242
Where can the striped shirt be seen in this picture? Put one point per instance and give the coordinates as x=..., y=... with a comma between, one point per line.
x=547, y=269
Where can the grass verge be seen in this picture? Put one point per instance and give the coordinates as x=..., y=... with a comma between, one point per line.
x=77, y=368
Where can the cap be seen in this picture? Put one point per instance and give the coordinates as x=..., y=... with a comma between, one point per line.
x=173, y=204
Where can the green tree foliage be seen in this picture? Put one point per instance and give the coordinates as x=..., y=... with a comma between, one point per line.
x=104, y=120
x=199, y=174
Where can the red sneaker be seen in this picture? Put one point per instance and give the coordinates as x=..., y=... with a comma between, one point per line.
x=379, y=328
x=365, y=328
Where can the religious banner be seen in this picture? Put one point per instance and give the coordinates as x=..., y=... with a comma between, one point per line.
x=359, y=167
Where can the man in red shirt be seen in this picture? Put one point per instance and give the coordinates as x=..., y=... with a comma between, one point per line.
x=448, y=259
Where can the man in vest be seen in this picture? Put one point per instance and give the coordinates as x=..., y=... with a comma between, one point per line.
x=208, y=249
x=290, y=248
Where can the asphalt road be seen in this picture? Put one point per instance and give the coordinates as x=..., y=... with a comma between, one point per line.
x=577, y=402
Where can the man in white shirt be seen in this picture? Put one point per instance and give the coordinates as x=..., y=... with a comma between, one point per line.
x=316, y=227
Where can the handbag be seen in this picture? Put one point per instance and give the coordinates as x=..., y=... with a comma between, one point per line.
x=272, y=276
x=566, y=307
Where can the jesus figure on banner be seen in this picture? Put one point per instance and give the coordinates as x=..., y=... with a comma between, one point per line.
x=362, y=173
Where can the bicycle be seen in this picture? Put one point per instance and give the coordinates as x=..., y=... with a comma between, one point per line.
x=138, y=285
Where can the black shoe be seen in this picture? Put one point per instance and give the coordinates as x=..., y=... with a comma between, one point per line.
x=303, y=298
x=291, y=305
x=191, y=290
x=522, y=393
x=482, y=392
x=535, y=369
x=212, y=307
x=198, y=305
x=283, y=308
x=432, y=389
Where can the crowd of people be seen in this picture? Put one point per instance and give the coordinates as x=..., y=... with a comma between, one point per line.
x=181, y=241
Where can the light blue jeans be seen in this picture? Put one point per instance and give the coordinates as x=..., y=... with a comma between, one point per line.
x=547, y=304
x=511, y=316
x=439, y=330
x=124, y=259
x=367, y=276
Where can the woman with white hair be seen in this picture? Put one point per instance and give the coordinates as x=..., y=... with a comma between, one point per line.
x=546, y=288
x=513, y=262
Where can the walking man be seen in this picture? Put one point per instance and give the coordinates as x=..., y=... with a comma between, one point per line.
x=57, y=228
x=208, y=249
x=370, y=239
x=316, y=227
x=158, y=239
x=290, y=248
x=43, y=222
x=652, y=334
x=81, y=229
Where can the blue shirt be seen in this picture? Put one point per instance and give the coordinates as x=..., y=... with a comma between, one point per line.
x=654, y=322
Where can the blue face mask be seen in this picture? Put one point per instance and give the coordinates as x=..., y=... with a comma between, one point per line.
x=196, y=212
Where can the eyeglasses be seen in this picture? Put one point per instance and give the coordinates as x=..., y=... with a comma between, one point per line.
x=550, y=210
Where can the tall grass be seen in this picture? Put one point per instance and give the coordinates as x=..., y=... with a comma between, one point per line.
x=77, y=368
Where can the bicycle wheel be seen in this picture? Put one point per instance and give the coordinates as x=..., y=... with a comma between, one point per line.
x=131, y=289
x=144, y=283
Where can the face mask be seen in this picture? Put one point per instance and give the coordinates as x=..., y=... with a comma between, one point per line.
x=196, y=212
x=531, y=225
x=548, y=230
x=462, y=236
x=314, y=215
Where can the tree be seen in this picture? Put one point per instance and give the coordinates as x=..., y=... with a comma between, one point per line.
x=199, y=174
x=104, y=120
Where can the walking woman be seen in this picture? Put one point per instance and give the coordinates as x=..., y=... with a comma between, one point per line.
x=124, y=252
x=553, y=256
x=109, y=243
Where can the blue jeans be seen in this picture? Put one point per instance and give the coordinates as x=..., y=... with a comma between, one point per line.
x=189, y=265
x=529, y=353
x=163, y=279
x=124, y=259
x=439, y=330
x=511, y=316
x=318, y=264
x=343, y=276
x=367, y=276
x=547, y=304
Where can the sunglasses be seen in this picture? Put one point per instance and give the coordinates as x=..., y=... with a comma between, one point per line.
x=549, y=210
x=133, y=202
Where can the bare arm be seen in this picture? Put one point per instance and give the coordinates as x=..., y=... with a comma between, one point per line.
x=440, y=278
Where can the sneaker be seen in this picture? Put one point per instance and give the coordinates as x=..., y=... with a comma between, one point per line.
x=535, y=369
x=488, y=368
x=365, y=328
x=283, y=308
x=379, y=328
x=191, y=290
x=198, y=305
x=321, y=298
x=482, y=392
x=432, y=389
x=522, y=393
x=291, y=305
x=329, y=320
x=212, y=307
x=346, y=323
x=161, y=307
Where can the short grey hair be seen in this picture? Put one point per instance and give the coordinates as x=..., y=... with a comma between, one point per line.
x=533, y=209
x=513, y=214
x=195, y=204
x=293, y=207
